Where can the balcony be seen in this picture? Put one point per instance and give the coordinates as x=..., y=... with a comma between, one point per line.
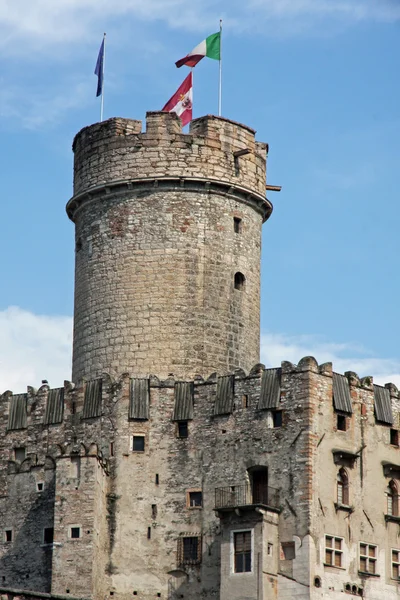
x=242, y=496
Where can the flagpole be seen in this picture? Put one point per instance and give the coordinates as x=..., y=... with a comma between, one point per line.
x=102, y=77
x=220, y=69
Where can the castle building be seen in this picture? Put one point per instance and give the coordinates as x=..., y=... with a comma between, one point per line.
x=174, y=465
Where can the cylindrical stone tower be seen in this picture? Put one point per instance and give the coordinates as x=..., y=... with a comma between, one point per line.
x=168, y=241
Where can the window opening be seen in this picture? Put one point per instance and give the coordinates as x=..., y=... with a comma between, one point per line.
x=392, y=499
x=138, y=444
x=333, y=551
x=240, y=281
x=394, y=437
x=157, y=479
x=242, y=551
x=189, y=550
x=259, y=478
x=277, y=418
x=341, y=423
x=368, y=553
x=289, y=550
x=245, y=401
x=396, y=564
x=149, y=533
x=8, y=535
x=111, y=448
x=237, y=225
x=48, y=535
x=20, y=454
x=342, y=488
x=195, y=499
x=183, y=429
x=75, y=533
x=40, y=486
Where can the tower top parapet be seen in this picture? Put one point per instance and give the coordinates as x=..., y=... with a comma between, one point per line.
x=215, y=149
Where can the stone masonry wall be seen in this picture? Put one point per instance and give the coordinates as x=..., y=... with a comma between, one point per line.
x=157, y=251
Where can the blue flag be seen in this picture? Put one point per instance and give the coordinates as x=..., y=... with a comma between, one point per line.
x=99, y=69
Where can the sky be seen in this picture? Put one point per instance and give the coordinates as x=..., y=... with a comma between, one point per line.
x=317, y=79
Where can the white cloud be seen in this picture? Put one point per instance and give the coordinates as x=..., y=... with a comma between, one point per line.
x=35, y=347
x=25, y=24
x=348, y=356
x=32, y=348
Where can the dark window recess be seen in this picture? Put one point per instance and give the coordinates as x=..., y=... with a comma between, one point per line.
x=242, y=550
x=73, y=408
x=154, y=511
x=138, y=443
x=149, y=533
x=237, y=225
x=277, y=418
x=195, y=499
x=48, y=535
x=189, y=550
x=341, y=423
x=157, y=479
x=78, y=245
x=239, y=281
x=40, y=486
x=111, y=448
x=245, y=401
x=289, y=550
x=9, y=535
x=75, y=533
x=394, y=437
x=20, y=454
x=183, y=429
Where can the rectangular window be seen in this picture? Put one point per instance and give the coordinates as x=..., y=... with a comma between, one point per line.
x=137, y=443
x=20, y=454
x=40, y=486
x=341, y=423
x=368, y=556
x=394, y=437
x=48, y=535
x=194, y=499
x=189, y=550
x=242, y=551
x=75, y=532
x=183, y=430
x=8, y=535
x=333, y=551
x=396, y=564
x=277, y=418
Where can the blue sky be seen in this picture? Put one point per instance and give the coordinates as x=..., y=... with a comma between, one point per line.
x=317, y=79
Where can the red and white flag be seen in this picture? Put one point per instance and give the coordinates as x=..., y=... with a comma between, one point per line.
x=181, y=101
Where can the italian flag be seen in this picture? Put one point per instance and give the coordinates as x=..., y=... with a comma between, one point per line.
x=181, y=101
x=210, y=47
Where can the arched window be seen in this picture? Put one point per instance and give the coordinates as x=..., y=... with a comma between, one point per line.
x=392, y=499
x=240, y=281
x=342, y=487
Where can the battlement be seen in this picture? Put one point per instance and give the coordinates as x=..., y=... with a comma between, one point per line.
x=93, y=400
x=215, y=149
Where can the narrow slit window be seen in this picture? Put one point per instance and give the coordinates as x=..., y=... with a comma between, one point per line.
x=237, y=225
x=239, y=281
x=392, y=499
x=342, y=488
x=48, y=535
x=8, y=535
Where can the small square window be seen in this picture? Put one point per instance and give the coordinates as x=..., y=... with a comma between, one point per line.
x=341, y=423
x=8, y=535
x=277, y=418
x=48, y=535
x=138, y=443
x=75, y=533
x=40, y=486
x=20, y=454
x=394, y=437
x=183, y=429
x=195, y=499
x=189, y=550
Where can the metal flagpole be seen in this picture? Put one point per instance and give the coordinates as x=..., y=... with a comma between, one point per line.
x=102, y=78
x=220, y=69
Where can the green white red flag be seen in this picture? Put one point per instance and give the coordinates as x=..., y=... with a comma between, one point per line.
x=181, y=101
x=210, y=47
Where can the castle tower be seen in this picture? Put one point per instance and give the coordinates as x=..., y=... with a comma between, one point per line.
x=168, y=241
